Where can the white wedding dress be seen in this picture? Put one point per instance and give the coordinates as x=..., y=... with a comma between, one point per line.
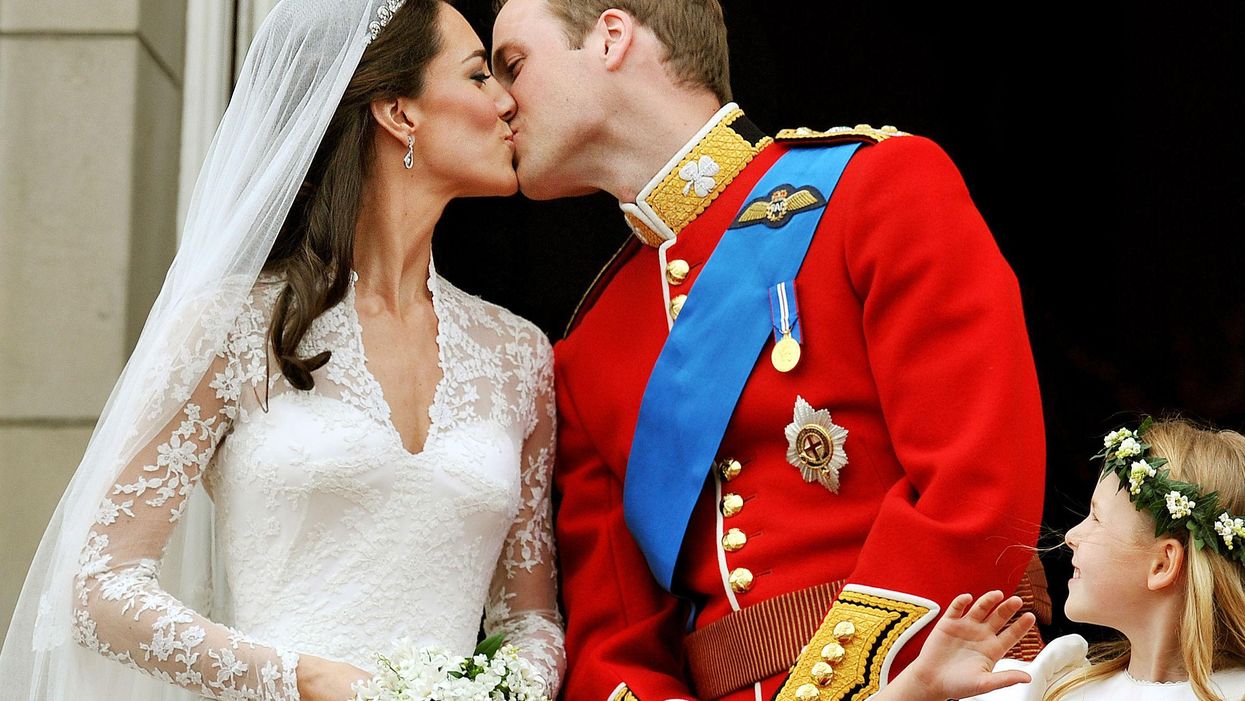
x=330, y=538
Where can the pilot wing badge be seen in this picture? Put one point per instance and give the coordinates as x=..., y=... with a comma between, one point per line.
x=776, y=208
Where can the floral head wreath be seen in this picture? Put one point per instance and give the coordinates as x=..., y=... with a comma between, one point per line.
x=1174, y=504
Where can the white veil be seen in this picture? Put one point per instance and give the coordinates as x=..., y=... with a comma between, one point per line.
x=293, y=78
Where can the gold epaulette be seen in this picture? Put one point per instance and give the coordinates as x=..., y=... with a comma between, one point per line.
x=837, y=135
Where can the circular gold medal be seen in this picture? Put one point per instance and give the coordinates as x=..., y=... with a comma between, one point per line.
x=786, y=354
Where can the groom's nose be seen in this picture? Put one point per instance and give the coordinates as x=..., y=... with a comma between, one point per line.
x=506, y=105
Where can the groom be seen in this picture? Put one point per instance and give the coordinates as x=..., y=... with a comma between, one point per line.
x=798, y=412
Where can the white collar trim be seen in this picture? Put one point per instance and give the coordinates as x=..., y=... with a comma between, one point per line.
x=641, y=209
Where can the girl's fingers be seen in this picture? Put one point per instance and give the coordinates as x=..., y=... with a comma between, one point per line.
x=1004, y=612
x=957, y=606
x=985, y=605
x=1013, y=633
x=998, y=680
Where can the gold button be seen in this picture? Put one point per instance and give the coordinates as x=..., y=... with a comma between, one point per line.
x=844, y=631
x=741, y=580
x=730, y=469
x=676, y=306
x=734, y=540
x=822, y=674
x=807, y=692
x=732, y=504
x=676, y=271
x=833, y=653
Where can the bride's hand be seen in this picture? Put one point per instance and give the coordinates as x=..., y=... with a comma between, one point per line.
x=325, y=680
x=958, y=658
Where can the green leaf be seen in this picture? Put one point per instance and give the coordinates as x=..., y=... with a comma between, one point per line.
x=490, y=645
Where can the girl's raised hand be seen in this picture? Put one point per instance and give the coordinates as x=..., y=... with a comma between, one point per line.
x=958, y=658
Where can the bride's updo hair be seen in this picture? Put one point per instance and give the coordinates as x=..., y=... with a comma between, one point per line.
x=315, y=248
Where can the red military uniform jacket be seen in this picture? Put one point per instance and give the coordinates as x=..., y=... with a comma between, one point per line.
x=913, y=341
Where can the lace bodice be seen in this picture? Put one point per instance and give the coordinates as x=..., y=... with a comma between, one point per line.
x=332, y=539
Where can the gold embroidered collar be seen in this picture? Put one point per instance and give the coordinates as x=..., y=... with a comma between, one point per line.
x=695, y=177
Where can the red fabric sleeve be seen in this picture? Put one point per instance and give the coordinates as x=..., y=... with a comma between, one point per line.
x=949, y=352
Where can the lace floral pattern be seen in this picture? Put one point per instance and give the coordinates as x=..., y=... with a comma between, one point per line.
x=332, y=538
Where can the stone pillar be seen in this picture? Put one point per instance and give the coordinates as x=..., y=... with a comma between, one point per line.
x=90, y=114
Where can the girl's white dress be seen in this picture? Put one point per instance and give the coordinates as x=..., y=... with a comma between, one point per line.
x=1067, y=654
x=330, y=538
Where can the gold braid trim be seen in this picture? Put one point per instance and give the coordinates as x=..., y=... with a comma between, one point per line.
x=845, y=657
x=642, y=231
x=622, y=693
x=728, y=149
x=804, y=136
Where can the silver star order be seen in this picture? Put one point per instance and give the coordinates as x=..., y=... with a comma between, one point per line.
x=828, y=474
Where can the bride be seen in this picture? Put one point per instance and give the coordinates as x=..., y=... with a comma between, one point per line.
x=376, y=444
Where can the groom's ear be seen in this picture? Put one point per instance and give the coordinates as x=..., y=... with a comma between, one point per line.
x=616, y=30
x=397, y=116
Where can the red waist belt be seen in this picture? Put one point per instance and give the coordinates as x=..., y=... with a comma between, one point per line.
x=765, y=639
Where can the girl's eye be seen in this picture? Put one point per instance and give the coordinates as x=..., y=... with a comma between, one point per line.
x=513, y=68
x=481, y=77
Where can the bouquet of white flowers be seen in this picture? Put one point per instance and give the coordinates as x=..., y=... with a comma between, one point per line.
x=494, y=672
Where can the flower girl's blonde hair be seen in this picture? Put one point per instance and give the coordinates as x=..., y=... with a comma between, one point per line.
x=1212, y=629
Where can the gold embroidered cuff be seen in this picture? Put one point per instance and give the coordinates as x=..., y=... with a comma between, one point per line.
x=850, y=654
x=622, y=693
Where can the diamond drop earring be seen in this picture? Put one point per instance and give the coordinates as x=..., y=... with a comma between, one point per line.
x=409, y=160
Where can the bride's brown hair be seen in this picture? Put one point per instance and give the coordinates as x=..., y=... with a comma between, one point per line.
x=314, y=250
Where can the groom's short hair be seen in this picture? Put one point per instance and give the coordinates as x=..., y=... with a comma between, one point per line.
x=693, y=33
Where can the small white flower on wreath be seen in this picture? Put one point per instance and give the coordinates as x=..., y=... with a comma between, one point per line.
x=699, y=175
x=1229, y=529
x=1116, y=436
x=815, y=445
x=1179, y=506
x=1140, y=471
x=1128, y=448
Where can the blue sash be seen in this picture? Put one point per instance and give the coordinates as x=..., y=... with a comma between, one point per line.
x=709, y=355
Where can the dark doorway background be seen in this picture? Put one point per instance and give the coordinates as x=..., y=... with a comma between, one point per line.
x=1101, y=141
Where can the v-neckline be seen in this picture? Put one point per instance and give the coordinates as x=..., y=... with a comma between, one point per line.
x=383, y=407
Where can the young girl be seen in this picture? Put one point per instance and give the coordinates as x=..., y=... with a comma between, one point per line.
x=1159, y=559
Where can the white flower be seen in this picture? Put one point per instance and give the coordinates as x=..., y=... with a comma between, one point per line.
x=1140, y=471
x=424, y=674
x=162, y=645
x=1116, y=436
x=176, y=455
x=1178, y=505
x=191, y=637
x=699, y=175
x=1229, y=529
x=1128, y=448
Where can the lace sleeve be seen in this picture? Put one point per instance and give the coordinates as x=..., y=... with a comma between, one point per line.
x=523, y=599
x=120, y=610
